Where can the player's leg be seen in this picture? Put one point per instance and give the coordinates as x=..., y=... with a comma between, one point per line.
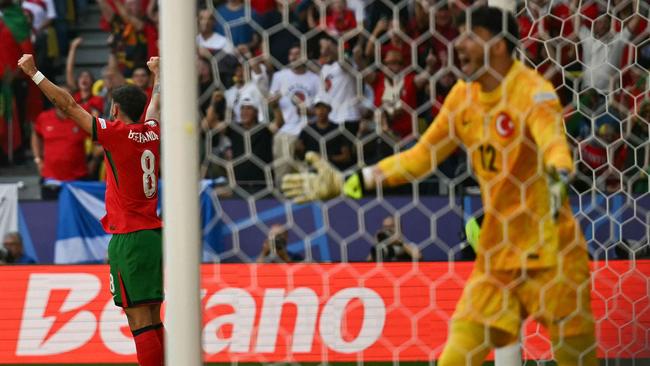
x=139, y=317
x=158, y=325
x=136, y=267
x=486, y=317
x=573, y=336
x=561, y=300
x=579, y=350
x=469, y=343
x=148, y=347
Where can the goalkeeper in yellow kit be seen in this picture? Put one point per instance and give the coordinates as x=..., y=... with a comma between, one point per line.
x=531, y=256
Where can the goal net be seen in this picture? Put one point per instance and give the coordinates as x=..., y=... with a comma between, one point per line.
x=378, y=279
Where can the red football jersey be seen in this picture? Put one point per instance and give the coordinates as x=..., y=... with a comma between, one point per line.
x=132, y=159
x=64, y=149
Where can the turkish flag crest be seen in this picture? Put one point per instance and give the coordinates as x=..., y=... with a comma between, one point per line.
x=504, y=125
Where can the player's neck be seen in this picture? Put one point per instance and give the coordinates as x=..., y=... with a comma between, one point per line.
x=490, y=81
x=124, y=119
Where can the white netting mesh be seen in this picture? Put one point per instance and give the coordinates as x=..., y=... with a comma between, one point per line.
x=385, y=68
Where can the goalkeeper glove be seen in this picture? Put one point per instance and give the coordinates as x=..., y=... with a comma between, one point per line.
x=558, y=189
x=473, y=231
x=326, y=183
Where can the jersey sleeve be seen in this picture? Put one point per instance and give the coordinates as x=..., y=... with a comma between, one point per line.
x=546, y=126
x=437, y=143
x=105, y=132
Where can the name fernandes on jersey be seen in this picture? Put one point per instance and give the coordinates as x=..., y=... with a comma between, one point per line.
x=143, y=137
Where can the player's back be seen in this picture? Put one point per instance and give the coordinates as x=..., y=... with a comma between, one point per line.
x=132, y=156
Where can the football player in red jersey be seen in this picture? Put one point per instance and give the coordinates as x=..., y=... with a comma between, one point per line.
x=132, y=151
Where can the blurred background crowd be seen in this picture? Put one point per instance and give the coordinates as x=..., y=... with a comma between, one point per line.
x=355, y=80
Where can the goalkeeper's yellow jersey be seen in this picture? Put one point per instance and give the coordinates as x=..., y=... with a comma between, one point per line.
x=512, y=136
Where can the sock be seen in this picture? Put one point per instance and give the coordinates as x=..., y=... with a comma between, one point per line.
x=148, y=346
x=160, y=332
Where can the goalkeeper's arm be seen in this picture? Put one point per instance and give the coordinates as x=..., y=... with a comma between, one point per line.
x=437, y=142
x=327, y=182
x=546, y=126
x=58, y=96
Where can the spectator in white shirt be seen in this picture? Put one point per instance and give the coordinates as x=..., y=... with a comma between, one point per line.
x=338, y=86
x=208, y=41
x=602, y=47
x=295, y=88
x=43, y=14
x=255, y=84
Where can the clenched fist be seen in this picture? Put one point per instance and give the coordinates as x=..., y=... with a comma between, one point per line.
x=154, y=65
x=27, y=64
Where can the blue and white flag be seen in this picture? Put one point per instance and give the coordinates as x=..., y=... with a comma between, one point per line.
x=81, y=238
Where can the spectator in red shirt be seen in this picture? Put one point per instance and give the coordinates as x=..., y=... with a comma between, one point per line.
x=339, y=19
x=396, y=92
x=59, y=148
x=151, y=29
x=446, y=30
x=83, y=84
x=395, y=41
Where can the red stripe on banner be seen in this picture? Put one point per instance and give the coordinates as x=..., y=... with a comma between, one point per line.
x=299, y=312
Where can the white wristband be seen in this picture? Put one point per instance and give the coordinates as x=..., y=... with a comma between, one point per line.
x=369, y=182
x=38, y=77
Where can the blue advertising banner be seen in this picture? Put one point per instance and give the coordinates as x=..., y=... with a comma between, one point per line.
x=340, y=230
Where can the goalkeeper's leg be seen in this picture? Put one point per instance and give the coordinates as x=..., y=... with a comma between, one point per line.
x=469, y=343
x=579, y=350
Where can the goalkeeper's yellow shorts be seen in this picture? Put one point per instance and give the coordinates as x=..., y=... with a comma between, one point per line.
x=558, y=297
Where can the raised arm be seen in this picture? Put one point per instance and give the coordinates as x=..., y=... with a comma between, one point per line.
x=153, y=111
x=380, y=28
x=422, y=79
x=152, y=11
x=58, y=96
x=136, y=22
x=69, y=64
x=115, y=69
x=105, y=8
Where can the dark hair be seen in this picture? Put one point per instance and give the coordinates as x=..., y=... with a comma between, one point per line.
x=497, y=21
x=86, y=71
x=131, y=99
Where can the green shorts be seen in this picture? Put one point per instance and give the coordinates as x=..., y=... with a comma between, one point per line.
x=136, y=268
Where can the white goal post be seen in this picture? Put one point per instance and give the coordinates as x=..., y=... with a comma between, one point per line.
x=181, y=174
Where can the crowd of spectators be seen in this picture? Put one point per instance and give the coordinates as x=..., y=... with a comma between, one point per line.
x=354, y=80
